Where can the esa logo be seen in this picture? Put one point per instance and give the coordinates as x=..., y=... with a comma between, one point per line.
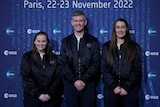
x=103, y=31
x=151, y=97
x=56, y=31
x=152, y=31
x=10, y=52
x=132, y=31
x=30, y=31
x=10, y=95
x=9, y=31
x=149, y=53
x=152, y=75
x=10, y=74
x=100, y=96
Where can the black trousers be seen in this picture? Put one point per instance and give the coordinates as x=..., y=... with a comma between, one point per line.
x=84, y=98
x=30, y=101
x=113, y=100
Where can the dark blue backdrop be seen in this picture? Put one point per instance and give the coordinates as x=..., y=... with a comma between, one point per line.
x=21, y=19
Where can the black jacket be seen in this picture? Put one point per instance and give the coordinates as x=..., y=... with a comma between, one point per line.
x=83, y=64
x=40, y=78
x=121, y=71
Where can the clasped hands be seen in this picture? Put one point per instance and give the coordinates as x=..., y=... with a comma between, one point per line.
x=79, y=84
x=44, y=97
x=120, y=91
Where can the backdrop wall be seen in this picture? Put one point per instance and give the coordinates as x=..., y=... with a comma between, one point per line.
x=21, y=19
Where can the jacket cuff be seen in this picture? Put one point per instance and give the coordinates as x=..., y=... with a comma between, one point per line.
x=37, y=94
x=126, y=88
x=113, y=86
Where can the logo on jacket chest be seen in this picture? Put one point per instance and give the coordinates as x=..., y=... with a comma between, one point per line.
x=89, y=45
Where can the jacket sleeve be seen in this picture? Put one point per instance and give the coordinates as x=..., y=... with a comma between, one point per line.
x=136, y=73
x=27, y=80
x=93, y=72
x=66, y=71
x=107, y=77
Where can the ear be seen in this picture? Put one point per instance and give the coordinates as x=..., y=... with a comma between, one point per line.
x=71, y=22
x=85, y=22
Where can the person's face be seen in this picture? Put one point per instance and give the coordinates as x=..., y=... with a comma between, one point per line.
x=120, y=29
x=78, y=23
x=41, y=43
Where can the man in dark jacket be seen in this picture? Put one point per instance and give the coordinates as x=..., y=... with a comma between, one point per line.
x=80, y=63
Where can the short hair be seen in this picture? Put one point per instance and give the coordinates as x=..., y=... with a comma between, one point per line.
x=79, y=13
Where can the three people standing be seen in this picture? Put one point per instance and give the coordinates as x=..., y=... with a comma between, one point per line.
x=81, y=66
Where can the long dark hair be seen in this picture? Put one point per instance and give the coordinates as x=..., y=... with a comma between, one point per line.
x=129, y=44
x=48, y=49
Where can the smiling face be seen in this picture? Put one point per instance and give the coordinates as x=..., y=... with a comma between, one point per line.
x=120, y=29
x=41, y=43
x=78, y=23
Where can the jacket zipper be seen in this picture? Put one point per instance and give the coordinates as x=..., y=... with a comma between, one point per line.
x=119, y=69
x=79, y=68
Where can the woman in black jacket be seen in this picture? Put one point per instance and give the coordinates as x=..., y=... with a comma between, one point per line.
x=41, y=80
x=121, y=68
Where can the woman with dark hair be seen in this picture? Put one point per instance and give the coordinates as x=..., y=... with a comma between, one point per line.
x=121, y=67
x=41, y=80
